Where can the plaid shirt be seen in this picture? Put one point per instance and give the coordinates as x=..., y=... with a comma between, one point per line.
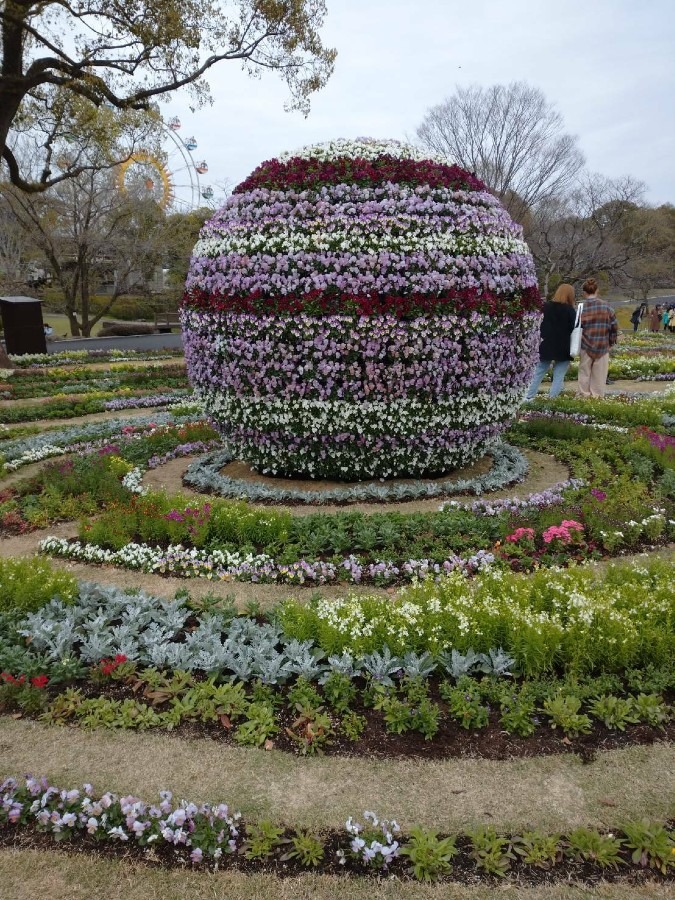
x=599, y=328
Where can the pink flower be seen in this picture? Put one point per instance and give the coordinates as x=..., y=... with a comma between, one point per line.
x=562, y=532
x=520, y=534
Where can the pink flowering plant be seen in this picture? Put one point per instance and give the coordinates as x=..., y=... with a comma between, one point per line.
x=190, y=523
x=522, y=536
x=527, y=547
x=518, y=547
x=568, y=532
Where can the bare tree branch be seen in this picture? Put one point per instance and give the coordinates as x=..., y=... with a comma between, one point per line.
x=586, y=230
x=121, y=54
x=511, y=137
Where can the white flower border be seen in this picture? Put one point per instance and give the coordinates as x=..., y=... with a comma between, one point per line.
x=361, y=148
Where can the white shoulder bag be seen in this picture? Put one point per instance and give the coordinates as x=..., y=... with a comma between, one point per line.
x=575, y=337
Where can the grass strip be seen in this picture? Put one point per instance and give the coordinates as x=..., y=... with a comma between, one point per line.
x=552, y=793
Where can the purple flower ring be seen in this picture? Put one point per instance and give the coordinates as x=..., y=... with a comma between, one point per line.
x=357, y=310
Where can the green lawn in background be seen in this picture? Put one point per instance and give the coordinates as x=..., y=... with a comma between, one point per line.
x=61, y=325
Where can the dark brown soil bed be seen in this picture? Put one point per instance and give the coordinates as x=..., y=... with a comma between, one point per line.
x=464, y=868
x=450, y=741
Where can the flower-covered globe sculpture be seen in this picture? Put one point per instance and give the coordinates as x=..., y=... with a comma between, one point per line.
x=357, y=310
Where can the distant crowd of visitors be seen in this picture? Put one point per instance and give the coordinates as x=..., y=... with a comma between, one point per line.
x=660, y=317
x=599, y=333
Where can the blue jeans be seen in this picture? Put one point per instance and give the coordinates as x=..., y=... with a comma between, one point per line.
x=559, y=370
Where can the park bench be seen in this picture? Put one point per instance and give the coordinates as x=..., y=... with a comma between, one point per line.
x=165, y=321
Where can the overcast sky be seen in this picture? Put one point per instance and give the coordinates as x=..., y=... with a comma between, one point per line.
x=607, y=65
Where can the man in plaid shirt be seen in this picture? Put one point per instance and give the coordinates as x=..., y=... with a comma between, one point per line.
x=599, y=331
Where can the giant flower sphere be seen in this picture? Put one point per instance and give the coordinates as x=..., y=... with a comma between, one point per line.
x=358, y=310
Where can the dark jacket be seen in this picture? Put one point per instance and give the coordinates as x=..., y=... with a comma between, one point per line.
x=556, y=328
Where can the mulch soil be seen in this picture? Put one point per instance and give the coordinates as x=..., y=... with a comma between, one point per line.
x=464, y=868
x=451, y=740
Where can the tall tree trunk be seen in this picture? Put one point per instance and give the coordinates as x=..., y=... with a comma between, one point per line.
x=70, y=291
x=71, y=308
x=547, y=279
x=13, y=88
x=85, y=299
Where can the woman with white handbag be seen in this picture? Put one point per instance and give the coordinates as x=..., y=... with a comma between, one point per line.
x=556, y=329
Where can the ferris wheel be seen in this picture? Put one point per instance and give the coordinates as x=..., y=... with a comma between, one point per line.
x=172, y=176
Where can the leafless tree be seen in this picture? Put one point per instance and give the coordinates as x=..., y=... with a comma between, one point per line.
x=511, y=137
x=652, y=266
x=14, y=252
x=89, y=234
x=586, y=231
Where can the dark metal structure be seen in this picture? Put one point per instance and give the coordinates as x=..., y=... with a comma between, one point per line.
x=23, y=325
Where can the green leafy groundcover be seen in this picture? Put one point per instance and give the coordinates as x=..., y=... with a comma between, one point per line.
x=84, y=483
x=576, y=621
x=308, y=720
x=88, y=357
x=62, y=408
x=560, y=650
x=212, y=834
x=583, y=619
x=28, y=584
x=28, y=383
x=621, y=410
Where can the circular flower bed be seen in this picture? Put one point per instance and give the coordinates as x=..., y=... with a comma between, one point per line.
x=204, y=474
x=356, y=310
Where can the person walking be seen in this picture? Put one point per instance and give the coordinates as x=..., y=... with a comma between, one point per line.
x=655, y=318
x=635, y=318
x=556, y=328
x=664, y=318
x=599, y=332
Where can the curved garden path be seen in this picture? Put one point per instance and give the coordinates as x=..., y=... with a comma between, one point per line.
x=545, y=471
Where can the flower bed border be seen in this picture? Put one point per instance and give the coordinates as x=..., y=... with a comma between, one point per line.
x=509, y=467
x=373, y=849
x=184, y=562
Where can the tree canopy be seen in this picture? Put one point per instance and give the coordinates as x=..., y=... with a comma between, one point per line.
x=112, y=53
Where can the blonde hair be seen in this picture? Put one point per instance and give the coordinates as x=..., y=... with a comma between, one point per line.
x=564, y=294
